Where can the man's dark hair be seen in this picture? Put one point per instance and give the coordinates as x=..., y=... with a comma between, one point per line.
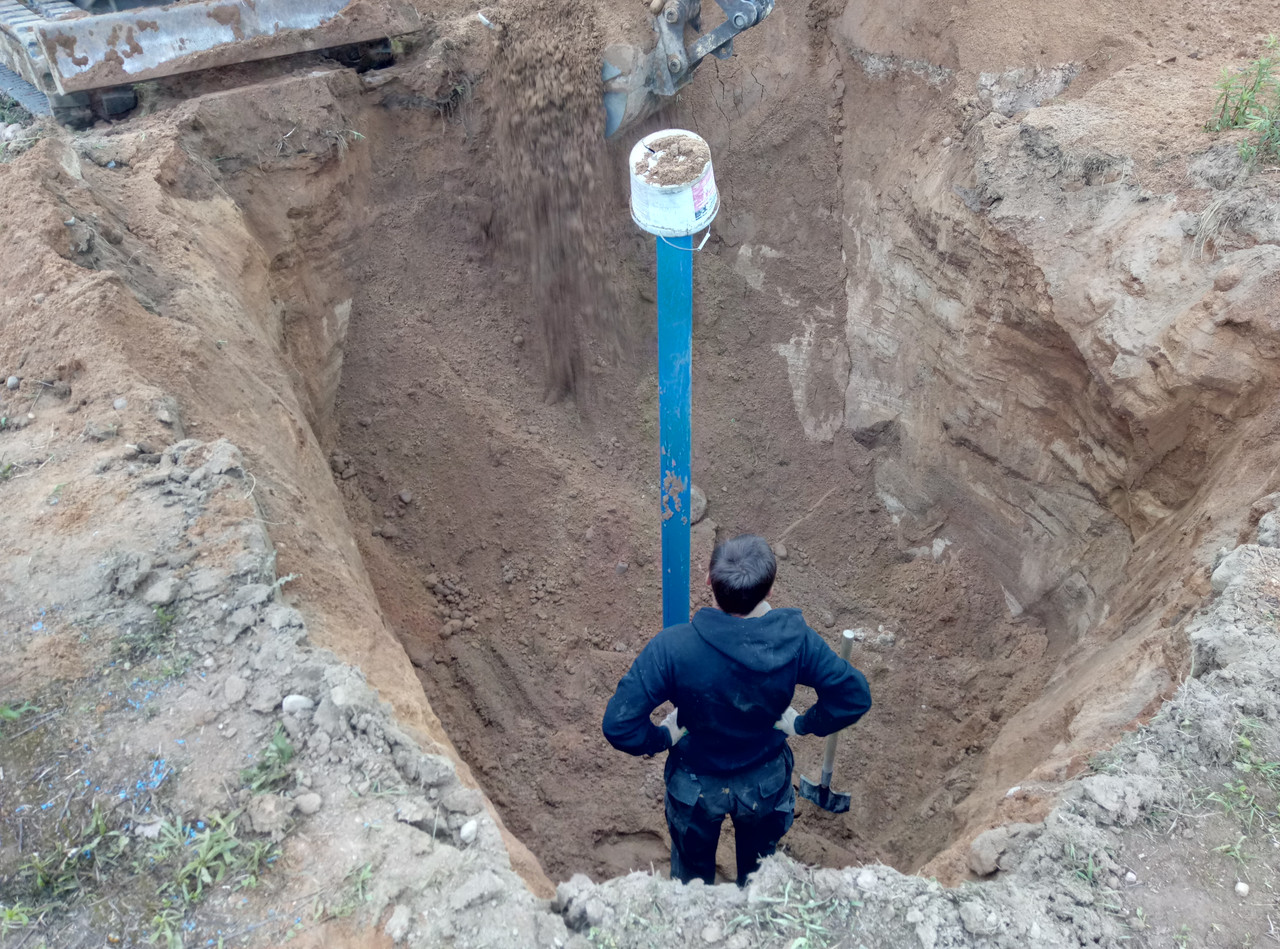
x=742, y=572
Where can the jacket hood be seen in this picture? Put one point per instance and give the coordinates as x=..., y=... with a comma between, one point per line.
x=762, y=644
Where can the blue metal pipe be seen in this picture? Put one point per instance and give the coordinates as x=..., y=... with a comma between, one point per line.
x=675, y=419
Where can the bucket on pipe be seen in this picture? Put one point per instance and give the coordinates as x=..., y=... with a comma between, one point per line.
x=673, y=189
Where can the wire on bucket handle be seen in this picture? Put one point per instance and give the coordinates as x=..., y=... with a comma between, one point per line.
x=692, y=250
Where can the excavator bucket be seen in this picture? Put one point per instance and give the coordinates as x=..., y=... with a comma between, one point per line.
x=631, y=90
x=638, y=82
x=92, y=52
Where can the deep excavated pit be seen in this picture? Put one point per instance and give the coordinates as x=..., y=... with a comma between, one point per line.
x=881, y=387
x=1000, y=376
x=906, y=373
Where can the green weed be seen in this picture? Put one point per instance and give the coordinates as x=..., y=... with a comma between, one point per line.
x=1088, y=871
x=11, y=111
x=208, y=856
x=17, y=916
x=156, y=638
x=1235, y=851
x=166, y=928
x=14, y=713
x=83, y=858
x=1250, y=99
x=272, y=768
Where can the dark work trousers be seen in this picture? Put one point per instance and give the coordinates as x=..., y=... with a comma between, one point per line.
x=760, y=801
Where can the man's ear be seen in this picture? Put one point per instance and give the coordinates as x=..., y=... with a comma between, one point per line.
x=708, y=578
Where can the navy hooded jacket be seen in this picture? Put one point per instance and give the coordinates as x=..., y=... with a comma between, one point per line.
x=732, y=678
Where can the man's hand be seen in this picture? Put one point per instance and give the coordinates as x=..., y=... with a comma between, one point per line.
x=787, y=723
x=673, y=727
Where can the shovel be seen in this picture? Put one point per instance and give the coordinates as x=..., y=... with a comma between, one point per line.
x=821, y=794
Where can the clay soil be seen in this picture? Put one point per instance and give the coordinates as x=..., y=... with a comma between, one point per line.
x=416, y=302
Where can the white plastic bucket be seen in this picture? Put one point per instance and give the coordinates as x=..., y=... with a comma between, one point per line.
x=677, y=209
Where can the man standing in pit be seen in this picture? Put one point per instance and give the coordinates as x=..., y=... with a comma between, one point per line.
x=731, y=674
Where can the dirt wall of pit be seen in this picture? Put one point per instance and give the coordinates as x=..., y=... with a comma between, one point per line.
x=207, y=276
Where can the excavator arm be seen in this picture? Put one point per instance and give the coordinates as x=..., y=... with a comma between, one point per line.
x=637, y=83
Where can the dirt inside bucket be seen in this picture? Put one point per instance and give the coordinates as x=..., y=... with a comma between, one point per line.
x=674, y=159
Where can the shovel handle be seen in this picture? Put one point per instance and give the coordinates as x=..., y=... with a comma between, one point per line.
x=829, y=758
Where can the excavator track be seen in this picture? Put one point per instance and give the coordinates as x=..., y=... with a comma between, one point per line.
x=24, y=73
x=23, y=93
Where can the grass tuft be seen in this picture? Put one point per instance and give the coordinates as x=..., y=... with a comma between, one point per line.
x=272, y=768
x=1250, y=99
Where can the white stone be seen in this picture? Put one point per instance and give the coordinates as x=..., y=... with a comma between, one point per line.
x=293, y=704
x=467, y=833
x=1242, y=889
x=867, y=879
x=308, y=803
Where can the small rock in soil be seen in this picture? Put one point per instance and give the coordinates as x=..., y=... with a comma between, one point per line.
x=620, y=569
x=974, y=917
x=406, y=497
x=120, y=404
x=1269, y=530
x=235, y=689
x=269, y=814
x=780, y=551
x=712, y=933
x=985, y=851
x=1242, y=889
x=467, y=834
x=293, y=704
x=308, y=803
x=398, y=925
x=13, y=382
x=697, y=504
x=161, y=593
x=1131, y=878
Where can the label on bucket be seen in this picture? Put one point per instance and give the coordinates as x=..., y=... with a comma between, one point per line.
x=704, y=194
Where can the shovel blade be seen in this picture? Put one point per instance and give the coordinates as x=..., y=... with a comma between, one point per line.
x=823, y=796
